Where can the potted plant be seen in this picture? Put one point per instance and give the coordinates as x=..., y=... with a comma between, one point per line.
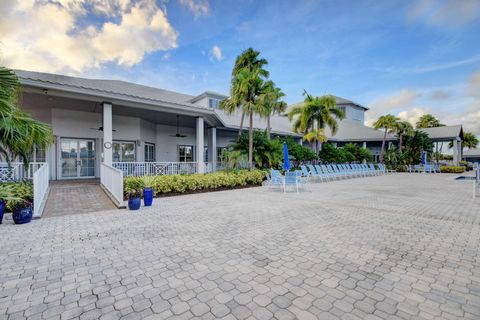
x=22, y=211
x=134, y=199
x=5, y=195
x=148, y=190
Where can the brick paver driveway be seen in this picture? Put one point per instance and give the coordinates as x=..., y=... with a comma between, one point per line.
x=393, y=247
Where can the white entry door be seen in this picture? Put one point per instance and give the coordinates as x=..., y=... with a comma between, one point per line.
x=77, y=159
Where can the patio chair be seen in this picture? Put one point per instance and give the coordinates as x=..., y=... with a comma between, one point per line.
x=301, y=179
x=276, y=178
x=418, y=168
x=305, y=172
x=340, y=173
x=290, y=179
x=375, y=171
x=384, y=168
x=368, y=170
x=314, y=173
x=324, y=174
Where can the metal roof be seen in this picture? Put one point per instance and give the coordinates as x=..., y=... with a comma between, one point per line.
x=445, y=133
x=472, y=152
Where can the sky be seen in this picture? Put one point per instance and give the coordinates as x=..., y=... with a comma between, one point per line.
x=401, y=57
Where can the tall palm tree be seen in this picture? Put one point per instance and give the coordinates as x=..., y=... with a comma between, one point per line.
x=403, y=128
x=19, y=133
x=248, y=60
x=316, y=113
x=428, y=121
x=270, y=103
x=388, y=123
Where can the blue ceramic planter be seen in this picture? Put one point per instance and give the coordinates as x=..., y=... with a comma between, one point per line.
x=2, y=210
x=21, y=216
x=147, y=196
x=134, y=203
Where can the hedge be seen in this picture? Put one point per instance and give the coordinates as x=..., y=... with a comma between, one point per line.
x=194, y=182
x=452, y=169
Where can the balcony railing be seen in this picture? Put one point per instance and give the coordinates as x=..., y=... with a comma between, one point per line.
x=138, y=169
x=16, y=171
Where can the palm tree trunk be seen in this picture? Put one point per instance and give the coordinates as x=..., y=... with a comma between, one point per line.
x=250, y=142
x=400, y=142
x=383, y=145
x=241, y=123
x=268, y=127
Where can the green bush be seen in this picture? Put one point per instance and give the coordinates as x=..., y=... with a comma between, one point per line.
x=22, y=190
x=195, y=182
x=452, y=169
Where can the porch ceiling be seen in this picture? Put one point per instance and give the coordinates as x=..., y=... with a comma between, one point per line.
x=153, y=116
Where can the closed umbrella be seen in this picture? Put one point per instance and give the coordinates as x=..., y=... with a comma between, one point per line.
x=424, y=157
x=286, y=161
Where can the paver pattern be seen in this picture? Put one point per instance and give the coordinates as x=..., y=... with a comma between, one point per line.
x=74, y=197
x=392, y=247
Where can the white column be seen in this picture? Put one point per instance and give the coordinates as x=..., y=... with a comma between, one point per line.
x=364, y=144
x=107, y=133
x=212, y=147
x=460, y=150
x=455, y=152
x=200, y=145
x=300, y=141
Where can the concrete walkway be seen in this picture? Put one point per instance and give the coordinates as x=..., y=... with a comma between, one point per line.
x=402, y=246
x=76, y=196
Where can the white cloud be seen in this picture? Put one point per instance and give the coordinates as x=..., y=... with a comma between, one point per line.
x=473, y=86
x=412, y=115
x=441, y=13
x=197, y=7
x=216, y=53
x=46, y=36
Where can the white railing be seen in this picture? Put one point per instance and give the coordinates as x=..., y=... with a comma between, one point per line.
x=112, y=180
x=40, y=188
x=139, y=169
x=16, y=171
x=476, y=182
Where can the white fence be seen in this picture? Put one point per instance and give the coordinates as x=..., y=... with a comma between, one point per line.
x=16, y=171
x=112, y=179
x=41, y=177
x=476, y=182
x=139, y=169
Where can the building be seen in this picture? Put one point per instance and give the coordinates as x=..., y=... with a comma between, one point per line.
x=472, y=155
x=131, y=126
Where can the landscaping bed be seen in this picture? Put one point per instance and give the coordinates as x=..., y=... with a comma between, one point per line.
x=171, y=185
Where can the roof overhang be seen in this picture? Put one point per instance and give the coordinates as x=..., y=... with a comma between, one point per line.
x=119, y=99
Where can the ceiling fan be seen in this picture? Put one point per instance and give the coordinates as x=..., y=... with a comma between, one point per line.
x=101, y=129
x=178, y=135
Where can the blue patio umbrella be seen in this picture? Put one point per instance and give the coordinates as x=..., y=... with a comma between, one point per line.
x=286, y=161
x=424, y=157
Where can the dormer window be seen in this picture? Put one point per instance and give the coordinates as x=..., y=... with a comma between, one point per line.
x=213, y=103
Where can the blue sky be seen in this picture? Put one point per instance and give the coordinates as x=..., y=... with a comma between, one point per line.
x=400, y=57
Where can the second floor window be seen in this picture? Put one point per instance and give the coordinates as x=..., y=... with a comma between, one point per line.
x=213, y=103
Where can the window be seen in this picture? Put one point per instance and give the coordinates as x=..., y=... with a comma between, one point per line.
x=149, y=152
x=205, y=154
x=185, y=153
x=219, y=153
x=357, y=114
x=123, y=151
x=39, y=155
x=213, y=103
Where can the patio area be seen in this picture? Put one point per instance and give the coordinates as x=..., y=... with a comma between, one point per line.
x=400, y=246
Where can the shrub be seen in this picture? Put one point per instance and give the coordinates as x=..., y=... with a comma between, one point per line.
x=187, y=183
x=22, y=190
x=452, y=169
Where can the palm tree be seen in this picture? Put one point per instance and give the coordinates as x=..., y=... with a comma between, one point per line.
x=389, y=123
x=247, y=60
x=19, y=133
x=270, y=103
x=403, y=128
x=314, y=136
x=316, y=113
x=428, y=121
x=469, y=140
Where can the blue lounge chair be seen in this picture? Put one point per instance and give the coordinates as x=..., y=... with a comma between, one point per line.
x=314, y=172
x=324, y=174
x=290, y=179
x=276, y=178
